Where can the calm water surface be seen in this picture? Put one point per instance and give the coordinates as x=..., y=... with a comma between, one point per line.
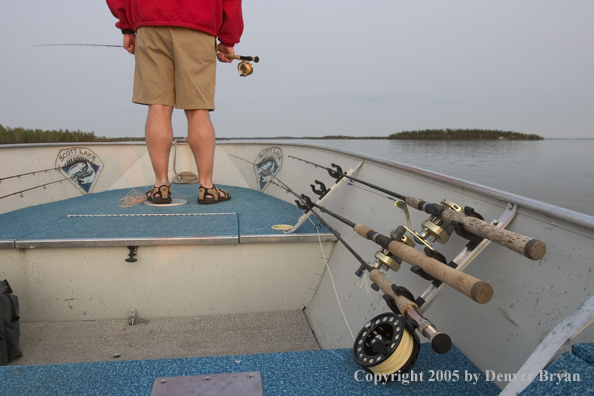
x=556, y=171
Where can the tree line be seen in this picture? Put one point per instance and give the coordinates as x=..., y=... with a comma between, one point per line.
x=21, y=135
x=463, y=134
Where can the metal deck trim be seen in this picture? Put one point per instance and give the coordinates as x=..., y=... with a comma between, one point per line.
x=288, y=238
x=7, y=244
x=115, y=242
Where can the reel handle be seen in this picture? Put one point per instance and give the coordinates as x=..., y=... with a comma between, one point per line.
x=241, y=57
x=476, y=289
x=526, y=246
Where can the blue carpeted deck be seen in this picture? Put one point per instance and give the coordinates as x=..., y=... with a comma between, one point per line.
x=248, y=213
x=569, y=374
x=329, y=372
x=584, y=352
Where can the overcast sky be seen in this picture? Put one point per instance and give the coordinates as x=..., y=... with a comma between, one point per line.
x=328, y=67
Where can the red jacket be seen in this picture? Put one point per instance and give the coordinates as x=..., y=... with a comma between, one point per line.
x=220, y=18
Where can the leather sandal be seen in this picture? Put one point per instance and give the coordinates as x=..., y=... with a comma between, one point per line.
x=159, y=195
x=212, y=195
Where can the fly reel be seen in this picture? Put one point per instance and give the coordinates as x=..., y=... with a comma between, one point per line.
x=386, y=346
x=436, y=229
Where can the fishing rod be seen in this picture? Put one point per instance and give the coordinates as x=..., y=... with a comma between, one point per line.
x=440, y=342
x=526, y=246
x=476, y=289
x=78, y=45
x=479, y=291
x=255, y=59
x=388, y=344
x=244, y=67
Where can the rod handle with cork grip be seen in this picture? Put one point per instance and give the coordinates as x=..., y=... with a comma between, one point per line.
x=526, y=246
x=476, y=289
x=255, y=59
x=440, y=342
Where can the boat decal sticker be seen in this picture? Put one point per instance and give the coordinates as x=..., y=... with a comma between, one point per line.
x=268, y=163
x=81, y=166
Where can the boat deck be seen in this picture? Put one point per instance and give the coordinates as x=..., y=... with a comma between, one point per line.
x=98, y=220
x=328, y=372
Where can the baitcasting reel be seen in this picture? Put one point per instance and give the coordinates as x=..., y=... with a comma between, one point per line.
x=386, y=346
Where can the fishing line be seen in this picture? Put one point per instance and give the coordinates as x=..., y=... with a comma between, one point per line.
x=78, y=45
x=321, y=247
x=190, y=177
x=130, y=96
x=398, y=359
x=369, y=191
x=233, y=111
x=332, y=279
x=182, y=177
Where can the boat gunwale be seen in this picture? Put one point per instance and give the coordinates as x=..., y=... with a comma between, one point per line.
x=572, y=217
x=567, y=215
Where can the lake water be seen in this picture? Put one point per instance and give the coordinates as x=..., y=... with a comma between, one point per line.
x=556, y=171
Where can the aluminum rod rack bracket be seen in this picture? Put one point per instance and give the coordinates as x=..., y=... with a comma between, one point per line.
x=464, y=258
x=305, y=216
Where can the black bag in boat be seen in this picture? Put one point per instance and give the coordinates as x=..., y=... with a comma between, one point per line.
x=10, y=330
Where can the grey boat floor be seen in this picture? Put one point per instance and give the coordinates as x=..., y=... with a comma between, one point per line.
x=219, y=335
x=98, y=220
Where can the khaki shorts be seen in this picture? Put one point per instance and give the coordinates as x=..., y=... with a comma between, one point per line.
x=175, y=66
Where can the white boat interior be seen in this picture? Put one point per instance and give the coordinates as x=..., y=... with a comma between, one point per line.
x=107, y=287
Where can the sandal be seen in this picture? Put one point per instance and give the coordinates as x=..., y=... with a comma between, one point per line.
x=159, y=195
x=212, y=195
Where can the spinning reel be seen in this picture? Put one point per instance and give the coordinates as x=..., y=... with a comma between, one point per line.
x=386, y=260
x=244, y=68
x=436, y=229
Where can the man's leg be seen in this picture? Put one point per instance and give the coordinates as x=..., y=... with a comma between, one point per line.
x=159, y=137
x=201, y=137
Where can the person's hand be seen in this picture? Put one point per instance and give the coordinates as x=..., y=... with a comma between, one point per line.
x=129, y=42
x=224, y=50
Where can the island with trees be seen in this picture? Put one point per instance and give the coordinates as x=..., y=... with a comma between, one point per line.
x=463, y=134
x=21, y=135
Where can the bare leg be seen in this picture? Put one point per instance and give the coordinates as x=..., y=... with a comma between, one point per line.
x=159, y=137
x=201, y=137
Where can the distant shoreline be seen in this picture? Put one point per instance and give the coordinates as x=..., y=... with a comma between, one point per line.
x=21, y=135
x=428, y=134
